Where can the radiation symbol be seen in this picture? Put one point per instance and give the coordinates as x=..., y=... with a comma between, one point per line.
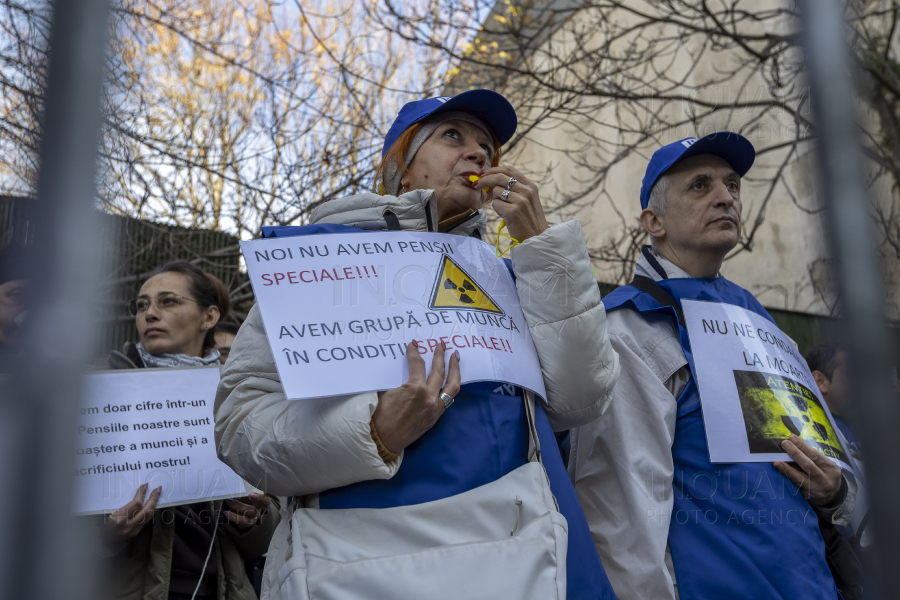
x=454, y=288
x=466, y=287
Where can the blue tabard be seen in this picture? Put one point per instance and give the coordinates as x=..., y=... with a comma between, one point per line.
x=849, y=431
x=738, y=530
x=481, y=438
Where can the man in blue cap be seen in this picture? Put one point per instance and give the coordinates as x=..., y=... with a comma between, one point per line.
x=666, y=521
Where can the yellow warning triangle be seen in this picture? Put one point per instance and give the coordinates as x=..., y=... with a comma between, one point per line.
x=453, y=288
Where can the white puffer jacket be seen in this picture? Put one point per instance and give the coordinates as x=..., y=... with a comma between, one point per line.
x=303, y=448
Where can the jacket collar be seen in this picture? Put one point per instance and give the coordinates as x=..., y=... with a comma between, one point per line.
x=412, y=211
x=657, y=268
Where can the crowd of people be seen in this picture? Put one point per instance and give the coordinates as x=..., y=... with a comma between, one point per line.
x=440, y=489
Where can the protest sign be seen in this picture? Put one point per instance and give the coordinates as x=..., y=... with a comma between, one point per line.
x=755, y=387
x=150, y=426
x=339, y=310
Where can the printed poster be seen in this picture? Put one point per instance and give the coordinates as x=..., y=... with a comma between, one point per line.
x=339, y=310
x=151, y=426
x=755, y=387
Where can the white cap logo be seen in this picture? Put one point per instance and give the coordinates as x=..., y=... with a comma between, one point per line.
x=688, y=142
x=442, y=99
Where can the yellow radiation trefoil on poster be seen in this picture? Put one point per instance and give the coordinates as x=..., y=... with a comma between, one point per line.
x=775, y=407
x=454, y=288
x=339, y=310
x=755, y=387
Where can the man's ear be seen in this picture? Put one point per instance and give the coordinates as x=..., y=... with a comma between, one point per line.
x=653, y=223
x=823, y=382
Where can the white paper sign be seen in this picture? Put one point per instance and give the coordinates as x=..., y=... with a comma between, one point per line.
x=755, y=387
x=340, y=309
x=150, y=426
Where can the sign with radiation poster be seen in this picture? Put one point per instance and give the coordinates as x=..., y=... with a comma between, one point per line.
x=755, y=388
x=339, y=310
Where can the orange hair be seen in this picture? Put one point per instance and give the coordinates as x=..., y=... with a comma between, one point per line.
x=398, y=151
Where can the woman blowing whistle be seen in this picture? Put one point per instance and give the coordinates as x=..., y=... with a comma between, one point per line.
x=395, y=466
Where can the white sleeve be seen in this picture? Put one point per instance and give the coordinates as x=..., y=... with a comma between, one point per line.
x=290, y=447
x=561, y=303
x=622, y=464
x=842, y=513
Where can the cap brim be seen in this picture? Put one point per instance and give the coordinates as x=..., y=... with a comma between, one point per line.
x=489, y=106
x=733, y=147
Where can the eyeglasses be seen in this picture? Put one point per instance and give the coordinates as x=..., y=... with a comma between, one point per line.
x=164, y=301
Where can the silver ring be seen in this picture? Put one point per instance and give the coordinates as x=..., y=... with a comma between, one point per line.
x=504, y=195
x=447, y=399
x=512, y=181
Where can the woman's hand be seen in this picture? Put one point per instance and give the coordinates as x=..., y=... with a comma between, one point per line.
x=522, y=208
x=127, y=522
x=247, y=511
x=405, y=413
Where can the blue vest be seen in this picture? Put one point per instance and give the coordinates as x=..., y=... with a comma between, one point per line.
x=481, y=438
x=849, y=431
x=736, y=530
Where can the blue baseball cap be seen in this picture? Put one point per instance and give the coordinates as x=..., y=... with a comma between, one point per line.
x=492, y=108
x=733, y=147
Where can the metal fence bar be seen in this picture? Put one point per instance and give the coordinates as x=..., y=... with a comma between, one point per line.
x=132, y=248
x=44, y=551
x=39, y=541
x=852, y=242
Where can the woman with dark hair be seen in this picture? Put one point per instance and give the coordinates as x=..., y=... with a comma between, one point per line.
x=175, y=552
x=176, y=313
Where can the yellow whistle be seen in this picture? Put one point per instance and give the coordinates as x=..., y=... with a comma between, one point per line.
x=474, y=178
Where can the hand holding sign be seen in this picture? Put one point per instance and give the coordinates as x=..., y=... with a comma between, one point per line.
x=405, y=413
x=127, y=522
x=818, y=478
x=247, y=511
x=757, y=392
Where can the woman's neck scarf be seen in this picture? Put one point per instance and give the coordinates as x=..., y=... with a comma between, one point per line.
x=155, y=361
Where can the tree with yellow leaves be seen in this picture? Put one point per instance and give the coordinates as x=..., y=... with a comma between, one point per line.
x=224, y=114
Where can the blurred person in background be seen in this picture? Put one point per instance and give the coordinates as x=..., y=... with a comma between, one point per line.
x=159, y=554
x=225, y=334
x=828, y=363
